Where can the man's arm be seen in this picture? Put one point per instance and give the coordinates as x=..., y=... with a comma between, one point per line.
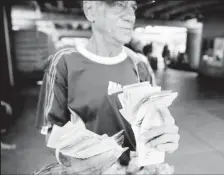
x=52, y=106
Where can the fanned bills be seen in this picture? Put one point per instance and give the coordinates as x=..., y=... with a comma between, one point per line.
x=139, y=107
x=87, y=151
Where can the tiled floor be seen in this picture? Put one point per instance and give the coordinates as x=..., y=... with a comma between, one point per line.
x=199, y=112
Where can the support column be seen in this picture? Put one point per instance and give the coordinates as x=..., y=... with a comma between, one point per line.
x=7, y=76
x=194, y=40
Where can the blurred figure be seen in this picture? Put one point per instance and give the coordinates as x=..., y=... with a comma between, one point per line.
x=166, y=55
x=148, y=50
x=5, y=146
x=5, y=112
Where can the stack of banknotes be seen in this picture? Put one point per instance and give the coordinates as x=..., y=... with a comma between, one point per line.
x=88, y=152
x=139, y=107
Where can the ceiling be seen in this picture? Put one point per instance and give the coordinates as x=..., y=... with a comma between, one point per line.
x=181, y=9
x=148, y=9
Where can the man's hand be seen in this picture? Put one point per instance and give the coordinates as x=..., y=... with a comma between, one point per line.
x=163, y=138
x=133, y=168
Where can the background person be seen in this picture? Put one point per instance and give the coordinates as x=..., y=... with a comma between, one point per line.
x=166, y=55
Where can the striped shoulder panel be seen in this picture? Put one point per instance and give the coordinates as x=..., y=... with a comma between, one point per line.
x=58, y=55
x=51, y=78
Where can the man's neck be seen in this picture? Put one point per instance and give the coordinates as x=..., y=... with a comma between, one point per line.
x=100, y=46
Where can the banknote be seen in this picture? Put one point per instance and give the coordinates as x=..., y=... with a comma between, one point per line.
x=88, y=151
x=96, y=164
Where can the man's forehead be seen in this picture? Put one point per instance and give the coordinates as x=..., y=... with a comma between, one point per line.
x=113, y=1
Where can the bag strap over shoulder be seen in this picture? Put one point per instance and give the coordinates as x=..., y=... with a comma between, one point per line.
x=134, y=58
x=137, y=60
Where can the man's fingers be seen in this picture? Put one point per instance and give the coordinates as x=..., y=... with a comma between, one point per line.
x=168, y=147
x=157, y=169
x=165, y=138
x=132, y=167
x=158, y=131
x=152, y=169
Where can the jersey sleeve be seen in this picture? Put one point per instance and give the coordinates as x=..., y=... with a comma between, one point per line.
x=56, y=108
x=52, y=104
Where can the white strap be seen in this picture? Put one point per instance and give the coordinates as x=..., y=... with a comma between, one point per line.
x=134, y=58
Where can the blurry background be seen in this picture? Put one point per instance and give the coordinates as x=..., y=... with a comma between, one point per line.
x=182, y=40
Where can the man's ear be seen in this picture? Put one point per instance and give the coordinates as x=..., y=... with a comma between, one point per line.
x=89, y=8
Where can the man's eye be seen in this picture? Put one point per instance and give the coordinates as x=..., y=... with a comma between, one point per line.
x=119, y=4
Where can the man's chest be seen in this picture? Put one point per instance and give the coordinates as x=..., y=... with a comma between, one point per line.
x=89, y=86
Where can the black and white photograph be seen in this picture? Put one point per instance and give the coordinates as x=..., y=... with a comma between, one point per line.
x=112, y=87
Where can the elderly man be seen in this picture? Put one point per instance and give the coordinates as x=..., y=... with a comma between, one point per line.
x=77, y=79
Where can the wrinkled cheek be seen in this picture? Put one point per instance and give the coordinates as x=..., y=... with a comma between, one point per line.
x=109, y=27
x=110, y=30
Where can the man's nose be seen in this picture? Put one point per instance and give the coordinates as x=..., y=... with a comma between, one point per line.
x=129, y=15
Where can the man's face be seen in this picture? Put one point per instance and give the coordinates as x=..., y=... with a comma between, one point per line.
x=116, y=19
